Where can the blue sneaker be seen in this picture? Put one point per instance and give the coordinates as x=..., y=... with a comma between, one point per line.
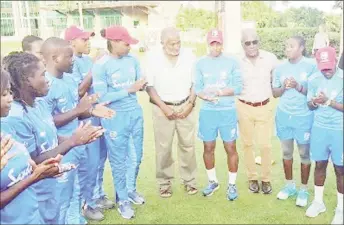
x=289, y=190
x=211, y=188
x=302, y=198
x=232, y=193
x=136, y=198
x=124, y=208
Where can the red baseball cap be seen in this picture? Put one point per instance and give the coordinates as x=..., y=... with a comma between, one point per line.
x=215, y=35
x=119, y=33
x=326, y=58
x=74, y=32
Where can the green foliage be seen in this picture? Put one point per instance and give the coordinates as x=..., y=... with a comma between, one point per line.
x=261, y=13
x=333, y=22
x=303, y=17
x=273, y=39
x=195, y=18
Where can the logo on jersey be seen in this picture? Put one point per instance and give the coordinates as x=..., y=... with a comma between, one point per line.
x=223, y=75
x=306, y=136
x=62, y=100
x=132, y=70
x=115, y=76
x=21, y=176
x=303, y=76
x=113, y=134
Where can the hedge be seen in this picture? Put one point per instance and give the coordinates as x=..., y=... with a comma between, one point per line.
x=273, y=40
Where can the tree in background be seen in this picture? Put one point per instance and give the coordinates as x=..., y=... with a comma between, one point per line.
x=261, y=13
x=189, y=18
x=303, y=17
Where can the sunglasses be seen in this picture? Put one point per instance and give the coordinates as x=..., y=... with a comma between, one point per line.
x=248, y=43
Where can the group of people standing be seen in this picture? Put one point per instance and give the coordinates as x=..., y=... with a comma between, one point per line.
x=66, y=113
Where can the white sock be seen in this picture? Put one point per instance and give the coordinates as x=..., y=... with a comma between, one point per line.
x=231, y=177
x=289, y=182
x=339, y=201
x=212, y=175
x=318, y=193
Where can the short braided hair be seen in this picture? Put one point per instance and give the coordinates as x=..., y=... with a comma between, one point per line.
x=21, y=66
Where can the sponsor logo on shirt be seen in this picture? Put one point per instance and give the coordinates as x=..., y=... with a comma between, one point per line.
x=21, y=176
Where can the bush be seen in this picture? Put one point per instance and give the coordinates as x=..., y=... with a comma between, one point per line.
x=273, y=39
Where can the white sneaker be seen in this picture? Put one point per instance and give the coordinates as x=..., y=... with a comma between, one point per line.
x=338, y=217
x=315, y=209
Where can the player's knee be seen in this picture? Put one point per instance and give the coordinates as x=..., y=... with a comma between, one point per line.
x=304, y=154
x=288, y=150
x=230, y=147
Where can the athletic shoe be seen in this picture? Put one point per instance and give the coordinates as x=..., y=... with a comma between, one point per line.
x=338, y=217
x=289, y=190
x=232, y=193
x=125, y=209
x=105, y=203
x=211, y=188
x=92, y=214
x=302, y=198
x=315, y=209
x=136, y=198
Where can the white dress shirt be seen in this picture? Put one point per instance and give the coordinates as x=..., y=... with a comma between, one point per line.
x=172, y=82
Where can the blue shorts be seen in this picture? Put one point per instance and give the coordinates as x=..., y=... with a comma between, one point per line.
x=211, y=122
x=326, y=142
x=289, y=127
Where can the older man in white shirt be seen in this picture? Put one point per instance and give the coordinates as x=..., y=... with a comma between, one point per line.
x=170, y=87
x=255, y=114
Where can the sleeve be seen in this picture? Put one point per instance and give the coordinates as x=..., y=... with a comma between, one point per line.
x=148, y=73
x=100, y=86
x=138, y=70
x=311, y=91
x=237, y=78
x=198, y=78
x=53, y=96
x=275, y=61
x=276, y=75
x=313, y=69
x=24, y=134
x=76, y=74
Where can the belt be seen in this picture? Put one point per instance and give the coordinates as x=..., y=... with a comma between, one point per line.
x=173, y=103
x=256, y=104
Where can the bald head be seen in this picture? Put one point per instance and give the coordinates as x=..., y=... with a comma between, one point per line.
x=248, y=34
x=58, y=55
x=52, y=46
x=168, y=33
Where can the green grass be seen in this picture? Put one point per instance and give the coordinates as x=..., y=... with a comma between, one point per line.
x=9, y=46
x=249, y=208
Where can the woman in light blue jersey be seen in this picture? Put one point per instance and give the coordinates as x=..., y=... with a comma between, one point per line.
x=88, y=169
x=293, y=117
x=34, y=125
x=217, y=81
x=19, y=203
x=117, y=78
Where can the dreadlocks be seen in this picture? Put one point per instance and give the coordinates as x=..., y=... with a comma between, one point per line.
x=21, y=66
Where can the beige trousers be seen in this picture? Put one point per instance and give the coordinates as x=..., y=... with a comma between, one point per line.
x=164, y=130
x=256, y=127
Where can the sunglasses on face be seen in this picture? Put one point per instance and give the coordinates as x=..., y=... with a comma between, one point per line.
x=248, y=43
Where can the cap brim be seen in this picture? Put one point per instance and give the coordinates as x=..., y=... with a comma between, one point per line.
x=326, y=66
x=131, y=41
x=215, y=40
x=86, y=35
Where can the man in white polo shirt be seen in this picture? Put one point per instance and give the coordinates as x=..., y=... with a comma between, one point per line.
x=170, y=87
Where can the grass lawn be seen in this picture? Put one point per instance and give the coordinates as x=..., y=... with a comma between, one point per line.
x=249, y=208
x=183, y=209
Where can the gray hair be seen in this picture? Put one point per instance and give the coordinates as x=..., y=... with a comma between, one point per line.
x=168, y=32
x=249, y=32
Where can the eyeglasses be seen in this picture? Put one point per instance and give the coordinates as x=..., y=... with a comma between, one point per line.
x=248, y=43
